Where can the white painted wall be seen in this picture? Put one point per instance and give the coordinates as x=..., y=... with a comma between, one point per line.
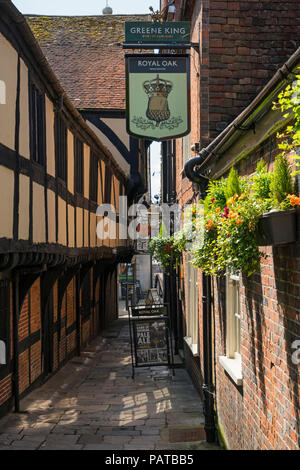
x=143, y=271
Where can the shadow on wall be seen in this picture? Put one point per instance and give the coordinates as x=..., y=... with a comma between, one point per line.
x=255, y=302
x=221, y=290
x=287, y=280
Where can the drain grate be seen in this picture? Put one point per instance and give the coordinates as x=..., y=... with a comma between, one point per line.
x=184, y=434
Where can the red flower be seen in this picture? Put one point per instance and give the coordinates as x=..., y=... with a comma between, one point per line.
x=226, y=212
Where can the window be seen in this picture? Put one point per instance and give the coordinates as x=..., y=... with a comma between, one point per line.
x=232, y=361
x=60, y=131
x=78, y=170
x=2, y=92
x=37, y=125
x=93, y=177
x=191, y=302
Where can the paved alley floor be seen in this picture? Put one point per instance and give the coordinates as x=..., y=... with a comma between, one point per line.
x=93, y=403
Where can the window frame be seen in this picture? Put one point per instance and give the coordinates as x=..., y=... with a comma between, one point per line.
x=61, y=147
x=78, y=166
x=192, y=307
x=37, y=123
x=232, y=361
x=94, y=165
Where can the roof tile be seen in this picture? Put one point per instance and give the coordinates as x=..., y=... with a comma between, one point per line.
x=84, y=55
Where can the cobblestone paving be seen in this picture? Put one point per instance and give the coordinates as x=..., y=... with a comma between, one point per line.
x=93, y=404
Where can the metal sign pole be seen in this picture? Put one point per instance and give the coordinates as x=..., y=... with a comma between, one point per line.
x=131, y=344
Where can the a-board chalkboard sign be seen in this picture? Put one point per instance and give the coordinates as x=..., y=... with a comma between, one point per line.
x=151, y=341
x=150, y=336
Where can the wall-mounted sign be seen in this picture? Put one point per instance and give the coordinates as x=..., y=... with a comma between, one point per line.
x=157, y=33
x=148, y=310
x=157, y=96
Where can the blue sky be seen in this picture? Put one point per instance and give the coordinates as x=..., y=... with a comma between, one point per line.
x=86, y=7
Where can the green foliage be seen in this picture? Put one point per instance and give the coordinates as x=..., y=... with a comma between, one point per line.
x=165, y=251
x=229, y=242
x=261, y=181
x=281, y=182
x=216, y=194
x=233, y=184
x=230, y=239
x=289, y=102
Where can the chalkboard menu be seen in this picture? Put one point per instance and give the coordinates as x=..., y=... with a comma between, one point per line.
x=151, y=341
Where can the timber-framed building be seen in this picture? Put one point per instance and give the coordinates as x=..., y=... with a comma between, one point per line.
x=58, y=281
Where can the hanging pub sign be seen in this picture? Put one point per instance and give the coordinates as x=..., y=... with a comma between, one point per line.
x=157, y=96
x=157, y=33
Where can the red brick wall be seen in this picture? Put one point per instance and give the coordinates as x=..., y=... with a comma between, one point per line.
x=71, y=316
x=23, y=319
x=62, y=342
x=248, y=42
x=242, y=44
x=24, y=371
x=23, y=333
x=30, y=328
x=55, y=336
x=265, y=414
x=35, y=307
x=5, y=389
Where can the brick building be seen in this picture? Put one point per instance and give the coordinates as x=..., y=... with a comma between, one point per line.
x=58, y=280
x=241, y=57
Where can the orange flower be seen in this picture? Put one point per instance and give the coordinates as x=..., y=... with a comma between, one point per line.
x=218, y=210
x=294, y=200
x=242, y=196
x=235, y=196
x=209, y=224
x=238, y=222
x=230, y=201
x=232, y=215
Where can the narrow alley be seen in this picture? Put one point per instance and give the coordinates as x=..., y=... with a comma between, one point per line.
x=93, y=404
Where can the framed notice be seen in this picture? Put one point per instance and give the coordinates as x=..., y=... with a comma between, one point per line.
x=157, y=96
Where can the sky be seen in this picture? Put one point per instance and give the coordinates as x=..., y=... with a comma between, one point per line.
x=86, y=7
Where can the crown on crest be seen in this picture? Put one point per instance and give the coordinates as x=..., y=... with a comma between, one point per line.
x=158, y=86
x=157, y=16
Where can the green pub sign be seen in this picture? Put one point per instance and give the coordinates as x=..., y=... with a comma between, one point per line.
x=155, y=33
x=158, y=96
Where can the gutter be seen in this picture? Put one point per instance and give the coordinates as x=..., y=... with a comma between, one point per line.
x=247, y=118
x=23, y=28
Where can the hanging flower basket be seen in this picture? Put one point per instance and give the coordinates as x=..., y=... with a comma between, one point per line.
x=168, y=248
x=277, y=228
